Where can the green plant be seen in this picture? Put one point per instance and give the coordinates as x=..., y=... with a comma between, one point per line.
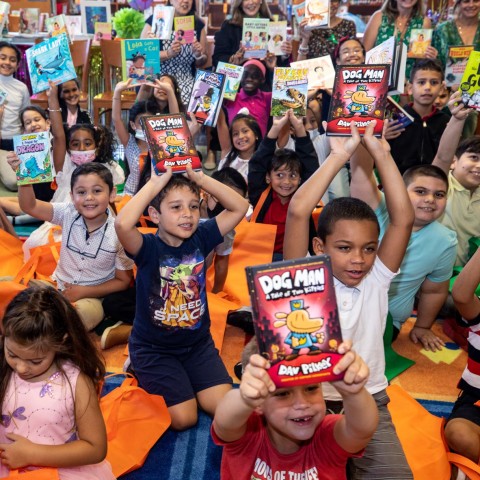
x=128, y=23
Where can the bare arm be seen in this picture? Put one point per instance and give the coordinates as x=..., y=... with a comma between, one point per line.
x=371, y=31
x=118, y=284
x=223, y=133
x=120, y=128
x=306, y=198
x=363, y=185
x=432, y=297
x=452, y=133
x=58, y=132
x=126, y=221
x=220, y=263
x=36, y=208
x=400, y=211
x=463, y=292
x=90, y=448
x=235, y=205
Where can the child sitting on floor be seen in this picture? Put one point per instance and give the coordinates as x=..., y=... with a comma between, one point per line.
x=171, y=348
x=285, y=433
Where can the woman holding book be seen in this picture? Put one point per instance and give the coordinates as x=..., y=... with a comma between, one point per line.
x=461, y=30
x=181, y=60
x=396, y=19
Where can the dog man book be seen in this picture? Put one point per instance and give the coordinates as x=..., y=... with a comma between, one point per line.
x=296, y=319
x=170, y=143
x=359, y=95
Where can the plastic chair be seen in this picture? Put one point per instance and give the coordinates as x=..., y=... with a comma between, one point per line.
x=80, y=50
x=102, y=103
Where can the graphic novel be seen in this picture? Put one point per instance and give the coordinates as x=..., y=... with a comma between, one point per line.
x=207, y=96
x=234, y=76
x=255, y=37
x=141, y=60
x=296, y=319
x=317, y=14
x=359, y=94
x=470, y=86
x=50, y=60
x=321, y=72
x=290, y=88
x=33, y=150
x=170, y=143
x=456, y=62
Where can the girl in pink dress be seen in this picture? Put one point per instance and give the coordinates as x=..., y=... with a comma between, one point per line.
x=50, y=378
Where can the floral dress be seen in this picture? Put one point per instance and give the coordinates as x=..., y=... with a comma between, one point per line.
x=387, y=30
x=324, y=40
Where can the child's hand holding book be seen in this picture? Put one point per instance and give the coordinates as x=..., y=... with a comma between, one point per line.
x=256, y=383
x=345, y=146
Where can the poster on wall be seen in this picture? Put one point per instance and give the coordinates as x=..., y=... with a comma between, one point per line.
x=93, y=11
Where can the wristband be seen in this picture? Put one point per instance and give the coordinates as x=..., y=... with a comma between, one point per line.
x=203, y=55
x=54, y=109
x=303, y=50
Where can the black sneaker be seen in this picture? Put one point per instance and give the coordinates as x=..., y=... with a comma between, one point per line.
x=241, y=319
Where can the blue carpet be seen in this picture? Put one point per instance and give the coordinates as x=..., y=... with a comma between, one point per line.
x=178, y=455
x=439, y=409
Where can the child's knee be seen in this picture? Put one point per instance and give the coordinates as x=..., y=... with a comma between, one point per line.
x=183, y=415
x=460, y=434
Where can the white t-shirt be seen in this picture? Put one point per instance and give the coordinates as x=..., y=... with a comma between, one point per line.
x=18, y=97
x=240, y=165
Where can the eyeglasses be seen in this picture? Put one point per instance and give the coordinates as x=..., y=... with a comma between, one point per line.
x=75, y=249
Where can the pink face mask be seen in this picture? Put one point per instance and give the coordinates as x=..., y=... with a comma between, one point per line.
x=79, y=157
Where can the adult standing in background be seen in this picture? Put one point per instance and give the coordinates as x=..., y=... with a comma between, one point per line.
x=396, y=19
x=181, y=60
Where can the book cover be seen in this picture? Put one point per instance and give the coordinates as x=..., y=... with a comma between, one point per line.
x=170, y=143
x=360, y=95
x=141, y=60
x=290, y=88
x=184, y=29
x=317, y=14
x=234, y=75
x=103, y=31
x=456, y=62
x=33, y=150
x=207, y=96
x=93, y=11
x=471, y=81
x=57, y=25
x=4, y=11
x=420, y=39
x=162, y=22
x=396, y=113
x=29, y=20
x=321, y=72
x=299, y=11
x=255, y=37
x=277, y=34
x=296, y=320
x=74, y=24
x=3, y=97
x=50, y=60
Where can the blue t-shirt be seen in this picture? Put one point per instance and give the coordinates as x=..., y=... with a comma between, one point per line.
x=171, y=308
x=431, y=252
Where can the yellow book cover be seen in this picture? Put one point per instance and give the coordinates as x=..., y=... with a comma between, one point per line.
x=470, y=82
x=184, y=29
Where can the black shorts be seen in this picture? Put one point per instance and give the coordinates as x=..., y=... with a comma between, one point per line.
x=465, y=408
x=177, y=374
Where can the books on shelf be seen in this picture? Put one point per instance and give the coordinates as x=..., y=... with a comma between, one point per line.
x=184, y=29
x=321, y=72
x=255, y=37
x=290, y=89
x=420, y=40
x=162, y=21
x=396, y=113
x=234, y=75
x=4, y=10
x=29, y=20
x=170, y=143
x=207, y=96
x=141, y=60
x=50, y=60
x=317, y=14
x=57, y=25
x=392, y=53
x=74, y=25
x=359, y=95
x=456, y=62
x=33, y=150
x=470, y=82
x=277, y=34
x=296, y=319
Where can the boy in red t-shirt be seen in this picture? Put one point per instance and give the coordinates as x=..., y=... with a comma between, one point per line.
x=271, y=433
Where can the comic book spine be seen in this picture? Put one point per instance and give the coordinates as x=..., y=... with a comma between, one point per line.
x=33, y=151
x=470, y=82
x=296, y=320
x=359, y=95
